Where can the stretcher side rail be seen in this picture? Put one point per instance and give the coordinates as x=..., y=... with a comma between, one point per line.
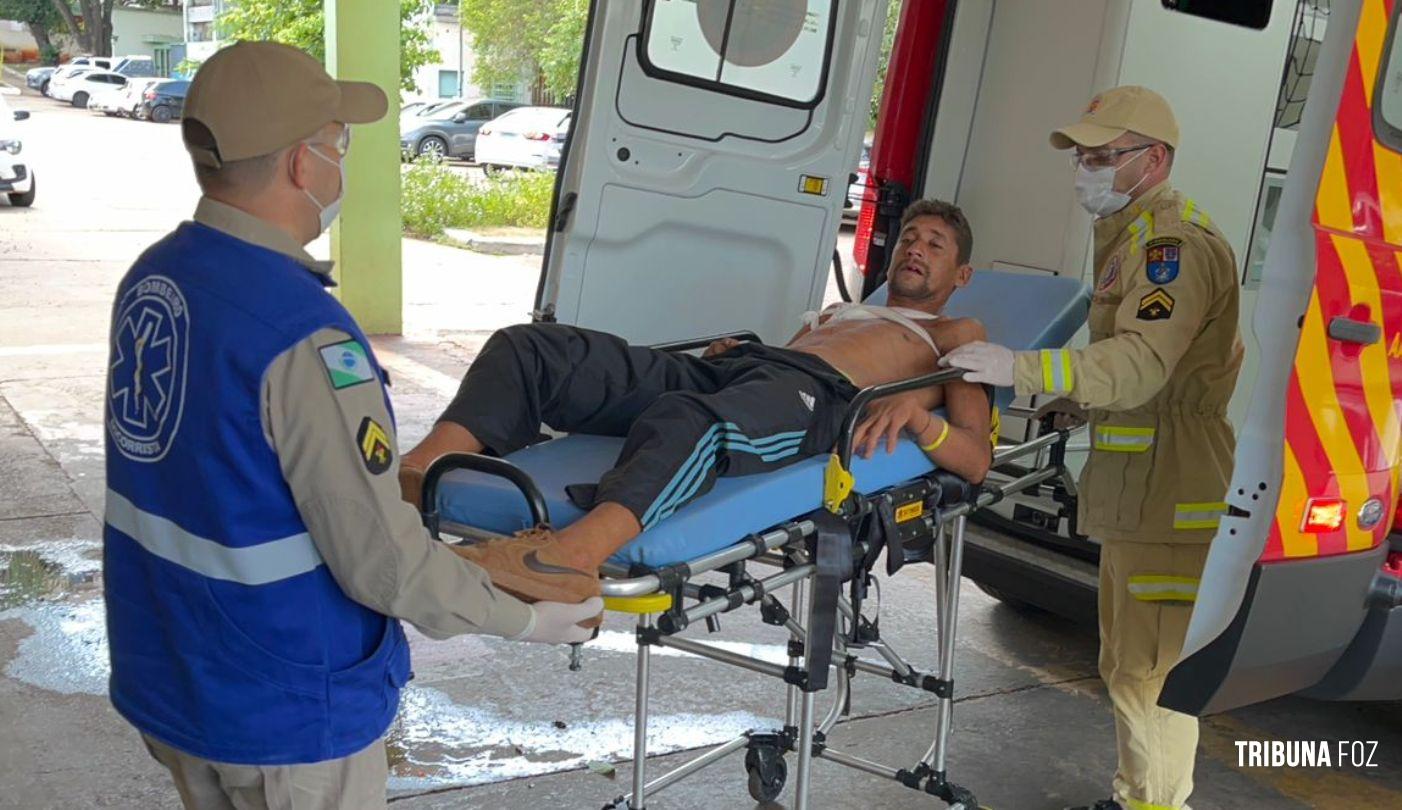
x=691, y=344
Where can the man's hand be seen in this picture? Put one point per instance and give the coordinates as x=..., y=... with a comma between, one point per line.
x=985, y=363
x=1066, y=414
x=885, y=420
x=558, y=623
x=720, y=347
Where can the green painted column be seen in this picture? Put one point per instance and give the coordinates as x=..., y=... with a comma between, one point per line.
x=362, y=44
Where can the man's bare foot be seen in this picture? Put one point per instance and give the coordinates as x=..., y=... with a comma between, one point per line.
x=530, y=567
x=444, y=438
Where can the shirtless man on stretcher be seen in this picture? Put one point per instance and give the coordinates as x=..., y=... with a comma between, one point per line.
x=739, y=409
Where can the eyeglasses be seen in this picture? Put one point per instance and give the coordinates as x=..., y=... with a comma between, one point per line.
x=1103, y=159
x=341, y=144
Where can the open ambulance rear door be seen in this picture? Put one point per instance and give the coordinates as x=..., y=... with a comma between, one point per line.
x=704, y=178
x=1298, y=565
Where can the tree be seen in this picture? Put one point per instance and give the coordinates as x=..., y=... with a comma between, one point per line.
x=888, y=40
x=302, y=24
x=513, y=39
x=40, y=16
x=89, y=22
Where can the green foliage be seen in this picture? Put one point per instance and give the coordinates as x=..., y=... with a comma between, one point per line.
x=41, y=12
x=515, y=39
x=434, y=197
x=187, y=67
x=888, y=39
x=302, y=24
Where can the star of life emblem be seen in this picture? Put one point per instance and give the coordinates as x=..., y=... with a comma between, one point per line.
x=146, y=379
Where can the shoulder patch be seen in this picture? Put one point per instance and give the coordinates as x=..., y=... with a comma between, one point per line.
x=347, y=364
x=1156, y=306
x=1161, y=259
x=373, y=444
x=1111, y=274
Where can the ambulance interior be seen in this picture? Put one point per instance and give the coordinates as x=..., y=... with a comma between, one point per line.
x=702, y=195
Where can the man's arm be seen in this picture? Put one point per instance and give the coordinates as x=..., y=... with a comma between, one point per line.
x=966, y=447
x=339, y=456
x=1154, y=325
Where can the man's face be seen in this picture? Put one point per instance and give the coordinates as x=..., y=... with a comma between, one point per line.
x=925, y=265
x=1128, y=155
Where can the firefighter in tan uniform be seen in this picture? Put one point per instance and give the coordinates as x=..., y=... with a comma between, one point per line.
x=1154, y=383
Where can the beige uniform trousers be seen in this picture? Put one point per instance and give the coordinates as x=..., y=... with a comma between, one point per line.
x=355, y=782
x=1146, y=593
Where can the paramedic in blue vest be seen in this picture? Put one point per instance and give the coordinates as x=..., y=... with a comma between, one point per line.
x=258, y=557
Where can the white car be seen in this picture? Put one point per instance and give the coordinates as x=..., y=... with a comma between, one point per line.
x=525, y=138
x=122, y=100
x=79, y=89
x=16, y=177
x=78, y=65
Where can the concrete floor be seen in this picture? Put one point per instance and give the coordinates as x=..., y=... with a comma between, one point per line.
x=486, y=723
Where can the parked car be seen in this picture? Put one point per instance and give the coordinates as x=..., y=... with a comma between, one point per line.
x=860, y=190
x=450, y=130
x=163, y=100
x=16, y=177
x=77, y=66
x=412, y=108
x=136, y=65
x=123, y=100
x=525, y=138
x=79, y=89
x=38, y=78
x=62, y=77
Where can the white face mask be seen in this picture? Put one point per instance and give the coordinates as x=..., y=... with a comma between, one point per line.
x=328, y=213
x=1095, y=188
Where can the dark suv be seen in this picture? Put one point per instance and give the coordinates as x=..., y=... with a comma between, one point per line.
x=450, y=129
x=163, y=101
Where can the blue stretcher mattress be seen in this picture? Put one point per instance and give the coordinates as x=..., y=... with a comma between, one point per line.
x=1021, y=311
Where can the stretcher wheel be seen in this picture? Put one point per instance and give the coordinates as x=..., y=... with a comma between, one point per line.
x=767, y=771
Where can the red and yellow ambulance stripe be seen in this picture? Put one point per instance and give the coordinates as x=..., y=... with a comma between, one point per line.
x=1343, y=410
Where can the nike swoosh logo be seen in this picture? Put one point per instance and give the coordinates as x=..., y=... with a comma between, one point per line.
x=541, y=567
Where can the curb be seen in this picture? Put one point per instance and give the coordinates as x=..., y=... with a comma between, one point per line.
x=497, y=245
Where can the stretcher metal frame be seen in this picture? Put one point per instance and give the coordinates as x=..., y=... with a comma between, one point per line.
x=815, y=555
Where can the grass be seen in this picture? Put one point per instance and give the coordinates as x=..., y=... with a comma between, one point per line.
x=435, y=198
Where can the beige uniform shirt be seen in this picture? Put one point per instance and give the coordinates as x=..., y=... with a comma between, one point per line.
x=1157, y=376
x=373, y=543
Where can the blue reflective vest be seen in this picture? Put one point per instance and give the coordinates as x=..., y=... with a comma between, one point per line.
x=229, y=638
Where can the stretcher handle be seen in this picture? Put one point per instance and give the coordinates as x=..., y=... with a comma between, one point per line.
x=428, y=500
x=691, y=344
x=866, y=396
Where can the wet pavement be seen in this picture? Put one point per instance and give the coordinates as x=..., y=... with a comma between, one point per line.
x=487, y=723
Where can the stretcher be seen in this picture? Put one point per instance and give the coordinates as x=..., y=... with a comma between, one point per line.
x=817, y=529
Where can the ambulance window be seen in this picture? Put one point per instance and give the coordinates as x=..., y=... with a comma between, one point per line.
x=774, y=50
x=1387, y=116
x=1250, y=13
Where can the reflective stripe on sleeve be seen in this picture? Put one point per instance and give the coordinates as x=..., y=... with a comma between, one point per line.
x=1198, y=515
x=1195, y=215
x=1141, y=230
x=1135, y=804
x=1056, y=371
x=1123, y=439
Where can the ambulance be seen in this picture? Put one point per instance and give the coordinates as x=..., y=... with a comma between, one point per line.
x=703, y=187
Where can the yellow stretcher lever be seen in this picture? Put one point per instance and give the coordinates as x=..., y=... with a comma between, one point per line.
x=837, y=484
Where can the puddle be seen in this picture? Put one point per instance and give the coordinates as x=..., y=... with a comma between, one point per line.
x=616, y=642
x=436, y=742
x=49, y=572
x=67, y=652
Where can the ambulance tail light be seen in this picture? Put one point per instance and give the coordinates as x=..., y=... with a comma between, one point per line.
x=1323, y=515
x=537, y=136
x=865, y=221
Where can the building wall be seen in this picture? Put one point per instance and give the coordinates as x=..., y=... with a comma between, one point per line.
x=14, y=36
x=139, y=31
x=439, y=80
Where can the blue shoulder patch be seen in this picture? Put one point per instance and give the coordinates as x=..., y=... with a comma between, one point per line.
x=1161, y=259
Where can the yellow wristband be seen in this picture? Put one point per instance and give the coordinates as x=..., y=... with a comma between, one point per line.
x=935, y=445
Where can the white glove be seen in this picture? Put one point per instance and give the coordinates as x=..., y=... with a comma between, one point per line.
x=985, y=363
x=558, y=623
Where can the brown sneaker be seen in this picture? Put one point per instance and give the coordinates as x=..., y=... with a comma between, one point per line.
x=515, y=566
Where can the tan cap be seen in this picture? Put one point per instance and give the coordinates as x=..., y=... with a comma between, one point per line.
x=258, y=97
x=1109, y=115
